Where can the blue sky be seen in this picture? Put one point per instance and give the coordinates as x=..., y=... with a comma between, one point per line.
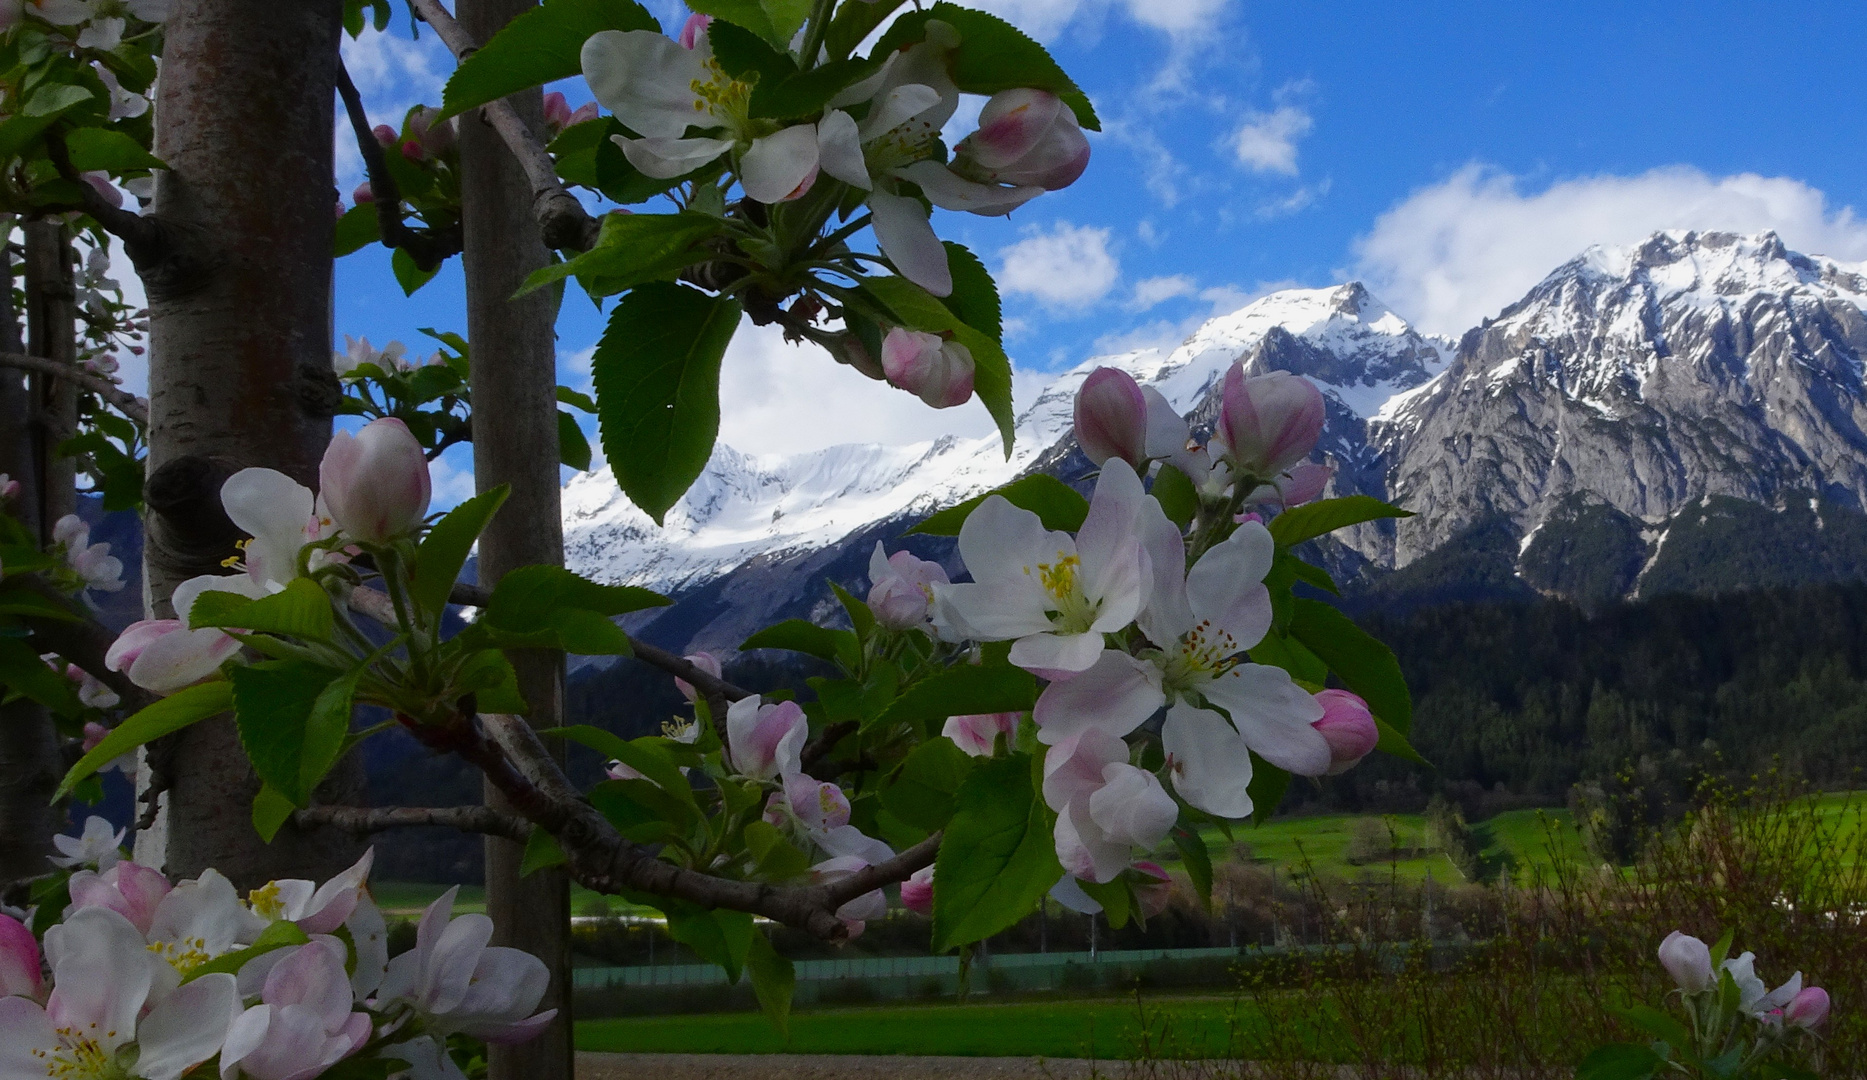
x=1448, y=154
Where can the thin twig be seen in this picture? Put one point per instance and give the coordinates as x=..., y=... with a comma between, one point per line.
x=427, y=247
x=363, y=820
x=122, y=400
x=561, y=218
x=143, y=238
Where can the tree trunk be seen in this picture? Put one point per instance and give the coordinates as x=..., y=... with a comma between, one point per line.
x=514, y=377
x=52, y=332
x=29, y=759
x=240, y=365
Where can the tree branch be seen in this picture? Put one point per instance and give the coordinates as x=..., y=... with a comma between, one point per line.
x=428, y=248
x=122, y=400
x=363, y=820
x=144, y=238
x=561, y=218
x=85, y=644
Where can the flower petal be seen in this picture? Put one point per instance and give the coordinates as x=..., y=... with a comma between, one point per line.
x=1073, y=768
x=1226, y=586
x=839, y=150
x=273, y=509
x=1168, y=614
x=907, y=238
x=1210, y=763
x=1275, y=716
x=27, y=1035
x=1084, y=850
x=647, y=80
x=896, y=107
x=950, y=191
x=187, y=1027
x=667, y=158
x=1057, y=656
x=774, y=166
x=1116, y=695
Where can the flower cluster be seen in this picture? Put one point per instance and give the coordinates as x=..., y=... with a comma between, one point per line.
x=141, y=978
x=86, y=566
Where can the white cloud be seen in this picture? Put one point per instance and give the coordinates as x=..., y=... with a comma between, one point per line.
x=1068, y=267
x=1045, y=19
x=1296, y=201
x=452, y=477
x=778, y=398
x=1159, y=335
x=1158, y=290
x=1267, y=141
x=393, y=74
x=1454, y=253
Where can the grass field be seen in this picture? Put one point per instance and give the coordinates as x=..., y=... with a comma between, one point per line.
x=1520, y=840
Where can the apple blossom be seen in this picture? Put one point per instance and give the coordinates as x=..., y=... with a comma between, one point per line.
x=375, y=482
x=917, y=891
x=60, y=12
x=429, y=133
x=19, y=961
x=427, y=1059
x=303, y=1023
x=901, y=588
x=1807, y=1009
x=92, y=693
x=99, y=845
x=200, y=919
x=124, y=104
x=1348, y=727
x=977, y=734
x=687, y=732
x=9, y=487
x=164, y=655
x=559, y=116
x=1157, y=892
x=1688, y=961
x=104, y=35
x=363, y=194
x=765, y=741
x=930, y=367
x=357, y=351
x=1025, y=137
x=93, y=563
x=864, y=909
x=1056, y=595
x=1105, y=806
x=1118, y=418
x=706, y=662
x=107, y=1017
x=127, y=888
x=1268, y=423
x=456, y=982
x=316, y=909
x=693, y=31
x=1753, y=994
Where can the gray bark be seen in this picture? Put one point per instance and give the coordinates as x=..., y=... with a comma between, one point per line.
x=51, y=321
x=240, y=371
x=514, y=378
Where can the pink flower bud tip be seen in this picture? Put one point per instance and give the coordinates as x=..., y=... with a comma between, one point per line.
x=412, y=150
x=1111, y=417
x=376, y=482
x=1269, y=423
x=901, y=589
x=928, y=366
x=1807, y=1009
x=1028, y=138
x=691, y=30
x=1348, y=727
x=917, y=891
x=557, y=111
x=363, y=194
x=19, y=961
x=706, y=662
x=385, y=134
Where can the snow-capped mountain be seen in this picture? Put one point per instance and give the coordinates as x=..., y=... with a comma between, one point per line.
x=1622, y=393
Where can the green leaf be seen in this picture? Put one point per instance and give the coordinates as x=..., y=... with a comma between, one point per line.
x=917, y=309
x=549, y=607
x=488, y=675
x=805, y=93
x=1116, y=898
x=357, y=229
x=635, y=808
x=773, y=980
x=1196, y=859
x=1055, y=503
x=632, y=249
x=657, y=373
x=855, y=22
x=407, y=274
x=860, y=617
x=326, y=729
x=541, y=850
x=22, y=671
x=744, y=55
x=171, y=714
x=280, y=934
x=1656, y=1023
x=743, y=14
x=1311, y=574
x=998, y=859
x=1364, y=665
x=1311, y=520
x=975, y=295
x=270, y=811
x=1393, y=742
x=446, y=547
x=539, y=46
x=720, y=937
x=95, y=149
x=1619, y=1061
x=1176, y=495
x=302, y=609
x=964, y=690
x=1279, y=651
x=993, y=55
x=576, y=399
x=922, y=790
x=1267, y=787
x=573, y=448
x=273, y=702
x=645, y=755
x=796, y=635
x=34, y=604
x=774, y=858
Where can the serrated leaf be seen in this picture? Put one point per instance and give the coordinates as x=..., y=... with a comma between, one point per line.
x=407, y=274
x=1056, y=504
x=302, y=609
x=1311, y=520
x=645, y=755
x=632, y=249
x=804, y=93
x=774, y=980
x=22, y=671
x=95, y=149
x=271, y=810
x=964, y=690
x=539, y=46
x=1364, y=665
x=720, y=937
x=1178, y=499
x=918, y=309
x=165, y=717
x=445, y=549
x=657, y=374
x=549, y=607
x=573, y=447
x=541, y=850
x=1196, y=859
x=273, y=703
x=992, y=55
x=997, y=859
x=796, y=635
x=975, y=295
x=1394, y=743
x=576, y=399
x=855, y=22
x=923, y=788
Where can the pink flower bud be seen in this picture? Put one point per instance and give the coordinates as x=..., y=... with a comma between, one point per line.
x=100, y=182
x=1347, y=726
x=706, y=662
x=412, y=150
x=1268, y=423
x=928, y=366
x=376, y=481
x=847, y=348
x=765, y=741
x=1111, y=417
x=1807, y=1009
x=557, y=111
x=363, y=194
x=917, y=891
x=163, y=655
x=585, y=112
x=977, y=734
x=385, y=134
x=901, y=588
x=691, y=30
x=1688, y=961
x=1025, y=137
x=9, y=487
x=19, y=961
x=820, y=805
x=129, y=889
x=1155, y=894
x=436, y=135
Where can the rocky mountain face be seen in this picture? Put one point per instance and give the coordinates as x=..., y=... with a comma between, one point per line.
x=1686, y=414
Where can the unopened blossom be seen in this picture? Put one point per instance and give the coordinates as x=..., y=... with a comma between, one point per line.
x=763, y=741
x=363, y=194
x=98, y=845
x=1118, y=418
x=1268, y=423
x=9, y=487
x=127, y=888
x=706, y=662
x=1025, y=137
x=164, y=655
x=1688, y=961
x=316, y=909
x=376, y=482
x=431, y=135
x=93, y=563
x=304, y=1022
x=1807, y=1009
x=1303, y=483
x=559, y=116
x=358, y=351
x=19, y=961
x=1348, y=727
x=694, y=30
x=936, y=370
x=1055, y=595
x=901, y=588
x=1105, y=806
x=456, y=982
x=1156, y=892
x=1201, y=623
x=978, y=733
x=108, y=1016
x=917, y=891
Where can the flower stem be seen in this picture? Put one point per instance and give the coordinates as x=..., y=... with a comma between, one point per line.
x=813, y=37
